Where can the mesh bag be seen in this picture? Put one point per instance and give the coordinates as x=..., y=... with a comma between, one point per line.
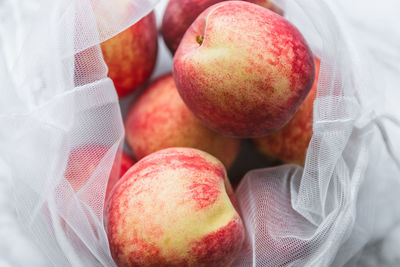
x=56, y=100
x=57, y=108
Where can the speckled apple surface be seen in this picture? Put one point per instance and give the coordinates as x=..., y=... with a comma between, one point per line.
x=160, y=119
x=290, y=143
x=242, y=69
x=131, y=55
x=172, y=209
x=180, y=14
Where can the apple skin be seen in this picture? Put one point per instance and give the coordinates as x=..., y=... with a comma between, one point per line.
x=126, y=163
x=180, y=14
x=172, y=209
x=290, y=143
x=242, y=69
x=159, y=119
x=83, y=161
x=131, y=55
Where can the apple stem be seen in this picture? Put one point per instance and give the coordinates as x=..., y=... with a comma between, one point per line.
x=199, y=39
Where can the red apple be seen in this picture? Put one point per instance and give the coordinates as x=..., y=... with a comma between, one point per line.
x=83, y=161
x=131, y=55
x=125, y=164
x=159, y=119
x=180, y=14
x=242, y=69
x=290, y=143
x=172, y=209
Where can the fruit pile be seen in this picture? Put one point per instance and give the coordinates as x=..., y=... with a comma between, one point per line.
x=240, y=71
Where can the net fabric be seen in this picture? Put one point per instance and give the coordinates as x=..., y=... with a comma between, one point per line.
x=56, y=98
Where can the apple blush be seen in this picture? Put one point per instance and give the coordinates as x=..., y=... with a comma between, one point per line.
x=180, y=14
x=290, y=143
x=131, y=55
x=159, y=119
x=173, y=208
x=242, y=69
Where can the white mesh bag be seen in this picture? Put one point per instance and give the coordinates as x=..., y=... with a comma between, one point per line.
x=55, y=98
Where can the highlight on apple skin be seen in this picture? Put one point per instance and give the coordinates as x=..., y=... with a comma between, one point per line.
x=242, y=69
x=180, y=14
x=131, y=55
x=290, y=143
x=159, y=119
x=172, y=209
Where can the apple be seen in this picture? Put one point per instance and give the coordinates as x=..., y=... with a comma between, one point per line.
x=131, y=55
x=82, y=162
x=159, y=119
x=242, y=69
x=290, y=143
x=125, y=164
x=172, y=209
x=85, y=159
x=179, y=15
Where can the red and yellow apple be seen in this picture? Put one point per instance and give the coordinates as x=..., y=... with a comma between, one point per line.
x=242, y=69
x=159, y=119
x=172, y=209
x=290, y=143
x=180, y=14
x=131, y=55
x=84, y=160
